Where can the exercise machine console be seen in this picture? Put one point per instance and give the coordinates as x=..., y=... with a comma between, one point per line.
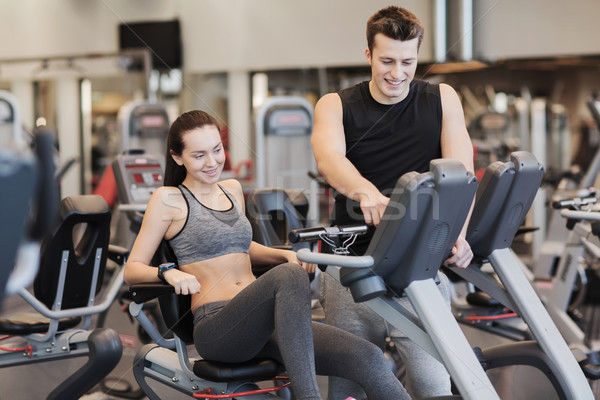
x=137, y=175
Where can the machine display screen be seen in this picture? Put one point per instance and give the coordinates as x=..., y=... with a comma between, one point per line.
x=152, y=121
x=147, y=174
x=288, y=121
x=142, y=178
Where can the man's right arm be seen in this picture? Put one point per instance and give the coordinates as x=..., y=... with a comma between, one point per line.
x=329, y=147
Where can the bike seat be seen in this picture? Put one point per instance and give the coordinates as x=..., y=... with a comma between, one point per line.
x=256, y=369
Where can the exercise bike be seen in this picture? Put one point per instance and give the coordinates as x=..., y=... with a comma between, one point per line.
x=416, y=233
x=558, y=275
x=503, y=197
x=66, y=295
x=200, y=378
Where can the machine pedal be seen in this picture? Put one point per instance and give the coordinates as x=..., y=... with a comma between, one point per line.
x=591, y=365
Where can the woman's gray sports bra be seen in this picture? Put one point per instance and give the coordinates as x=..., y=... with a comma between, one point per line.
x=209, y=233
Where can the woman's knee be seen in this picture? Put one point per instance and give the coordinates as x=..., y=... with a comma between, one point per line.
x=291, y=270
x=291, y=276
x=371, y=353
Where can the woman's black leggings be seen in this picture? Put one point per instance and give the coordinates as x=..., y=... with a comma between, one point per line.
x=271, y=318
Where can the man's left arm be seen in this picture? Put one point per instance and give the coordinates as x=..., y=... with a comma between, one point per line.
x=456, y=143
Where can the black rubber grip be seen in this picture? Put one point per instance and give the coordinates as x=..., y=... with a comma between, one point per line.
x=47, y=196
x=306, y=235
x=314, y=234
x=576, y=202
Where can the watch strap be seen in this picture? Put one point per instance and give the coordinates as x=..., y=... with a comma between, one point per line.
x=162, y=268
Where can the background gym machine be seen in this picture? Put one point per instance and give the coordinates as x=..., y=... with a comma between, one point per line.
x=283, y=125
x=144, y=128
x=51, y=322
x=29, y=200
x=144, y=125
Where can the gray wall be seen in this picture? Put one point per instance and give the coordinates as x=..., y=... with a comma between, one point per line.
x=535, y=28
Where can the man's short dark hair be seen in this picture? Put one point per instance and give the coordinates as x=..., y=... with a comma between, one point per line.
x=396, y=23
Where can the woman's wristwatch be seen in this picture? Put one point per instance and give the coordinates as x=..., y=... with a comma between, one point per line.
x=162, y=268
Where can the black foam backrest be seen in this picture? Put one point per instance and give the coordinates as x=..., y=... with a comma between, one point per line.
x=423, y=219
x=273, y=215
x=175, y=309
x=84, y=227
x=503, y=199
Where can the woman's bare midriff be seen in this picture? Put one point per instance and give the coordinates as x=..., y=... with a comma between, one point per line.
x=221, y=278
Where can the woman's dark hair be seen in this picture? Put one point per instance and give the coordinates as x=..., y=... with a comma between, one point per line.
x=175, y=174
x=396, y=23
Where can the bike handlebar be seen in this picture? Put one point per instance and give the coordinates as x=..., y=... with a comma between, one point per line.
x=574, y=202
x=314, y=234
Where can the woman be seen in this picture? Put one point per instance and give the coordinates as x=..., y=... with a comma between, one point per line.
x=236, y=316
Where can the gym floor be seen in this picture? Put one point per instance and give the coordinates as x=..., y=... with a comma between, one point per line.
x=37, y=380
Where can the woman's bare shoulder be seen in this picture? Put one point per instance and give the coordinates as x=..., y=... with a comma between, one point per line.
x=232, y=185
x=167, y=199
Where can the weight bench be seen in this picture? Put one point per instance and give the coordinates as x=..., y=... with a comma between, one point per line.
x=69, y=278
x=503, y=199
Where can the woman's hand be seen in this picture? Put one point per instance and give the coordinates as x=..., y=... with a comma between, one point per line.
x=263, y=255
x=183, y=282
x=293, y=258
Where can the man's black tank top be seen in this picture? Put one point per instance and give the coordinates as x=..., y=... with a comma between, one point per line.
x=386, y=141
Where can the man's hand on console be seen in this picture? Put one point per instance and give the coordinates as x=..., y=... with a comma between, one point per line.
x=461, y=254
x=373, y=206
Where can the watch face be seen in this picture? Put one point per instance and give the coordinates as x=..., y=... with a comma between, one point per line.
x=166, y=266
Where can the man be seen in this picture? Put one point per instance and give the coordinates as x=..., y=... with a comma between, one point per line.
x=366, y=137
